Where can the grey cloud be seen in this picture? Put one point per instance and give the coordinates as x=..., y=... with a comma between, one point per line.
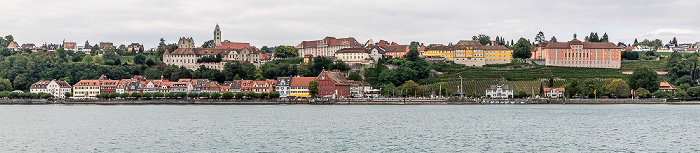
x=282, y=22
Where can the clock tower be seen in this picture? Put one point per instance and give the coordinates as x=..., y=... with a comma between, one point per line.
x=217, y=36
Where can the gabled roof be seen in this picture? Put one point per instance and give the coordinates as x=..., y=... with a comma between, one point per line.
x=330, y=41
x=586, y=45
x=301, y=81
x=352, y=50
x=497, y=47
x=397, y=48
x=88, y=83
x=550, y=89
x=233, y=45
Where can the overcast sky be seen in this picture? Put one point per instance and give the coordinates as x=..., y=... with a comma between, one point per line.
x=288, y=22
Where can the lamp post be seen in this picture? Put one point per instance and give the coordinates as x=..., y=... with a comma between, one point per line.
x=461, y=87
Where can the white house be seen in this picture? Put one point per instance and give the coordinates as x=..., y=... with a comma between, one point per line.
x=554, y=92
x=53, y=87
x=283, y=86
x=499, y=91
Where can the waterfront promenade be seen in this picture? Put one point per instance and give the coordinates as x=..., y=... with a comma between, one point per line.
x=376, y=101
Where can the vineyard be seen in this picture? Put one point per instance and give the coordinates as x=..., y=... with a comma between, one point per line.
x=478, y=87
x=476, y=73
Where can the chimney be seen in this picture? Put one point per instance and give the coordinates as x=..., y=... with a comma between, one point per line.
x=493, y=43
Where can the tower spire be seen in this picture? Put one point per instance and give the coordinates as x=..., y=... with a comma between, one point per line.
x=217, y=36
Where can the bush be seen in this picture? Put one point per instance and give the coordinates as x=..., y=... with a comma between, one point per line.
x=693, y=91
x=192, y=95
x=135, y=95
x=215, y=95
x=251, y=95
x=642, y=93
x=204, y=94
x=147, y=95
x=124, y=95
x=662, y=94
x=275, y=94
x=114, y=95
x=158, y=95
x=227, y=95
x=181, y=95
x=240, y=95
x=170, y=95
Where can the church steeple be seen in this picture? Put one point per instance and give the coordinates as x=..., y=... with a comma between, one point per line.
x=217, y=36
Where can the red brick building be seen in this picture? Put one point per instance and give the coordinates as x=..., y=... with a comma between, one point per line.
x=332, y=84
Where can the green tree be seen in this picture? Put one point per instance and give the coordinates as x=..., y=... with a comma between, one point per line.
x=522, y=49
x=313, y=88
x=662, y=94
x=681, y=94
x=5, y=85
x=135, y=95
x=124, y=95
x=251, y=95
x=215, y=95
x=240, y=95
x=617, y=87
x=694, y=91
x=340, y=65
x=410, y=88
x=139, y=59
x=227, y=95
x=208, y=44
x=574, y=88
x=642, y=93
x=540, y=37
x=158, y=95
x=483, y=39
x=68, y=94
x=286, y=52
x=644, y=77
x=20, y=82
x=192, y=95
x=204, y=94
x=355, y=76
x=554, y=39
x=275, y=94
x=87, y=59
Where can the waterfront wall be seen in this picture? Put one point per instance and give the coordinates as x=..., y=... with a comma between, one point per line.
x=598, y=101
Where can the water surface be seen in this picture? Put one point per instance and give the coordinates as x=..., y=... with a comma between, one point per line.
x=376, y=128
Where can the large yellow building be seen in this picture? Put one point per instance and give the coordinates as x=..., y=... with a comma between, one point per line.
x=471, y=53
x=497, y=54
x=446, y=52
x=299, y=87
x=86, y=89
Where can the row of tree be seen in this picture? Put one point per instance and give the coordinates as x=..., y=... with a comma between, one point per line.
x=182, y=95
x=24, y=95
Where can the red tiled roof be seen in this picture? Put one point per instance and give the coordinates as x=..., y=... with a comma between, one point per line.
x=233, y=45
x=330, y=41
x=352, y=50
x=497, y=47
x=665, y=86
x=301, y=81
x=397, y=48
x=88, y=83
x=440, y=48
x=586, y=45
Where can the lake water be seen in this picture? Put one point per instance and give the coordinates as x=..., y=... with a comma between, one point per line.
x=376, y=128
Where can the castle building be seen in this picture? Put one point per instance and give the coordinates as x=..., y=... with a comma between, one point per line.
x=326, y=47
x=578, y=54
x=188, y=54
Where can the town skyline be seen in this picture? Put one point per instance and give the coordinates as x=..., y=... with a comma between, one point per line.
x=289, y=23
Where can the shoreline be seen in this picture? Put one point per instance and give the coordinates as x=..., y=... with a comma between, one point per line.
x=344, y=102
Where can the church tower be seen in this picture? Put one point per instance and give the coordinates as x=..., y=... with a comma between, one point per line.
x=217, y=36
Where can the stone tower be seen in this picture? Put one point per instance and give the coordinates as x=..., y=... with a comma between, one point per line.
x=217, y=36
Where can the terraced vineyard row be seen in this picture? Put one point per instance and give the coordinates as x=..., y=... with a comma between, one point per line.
x=478, y=87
